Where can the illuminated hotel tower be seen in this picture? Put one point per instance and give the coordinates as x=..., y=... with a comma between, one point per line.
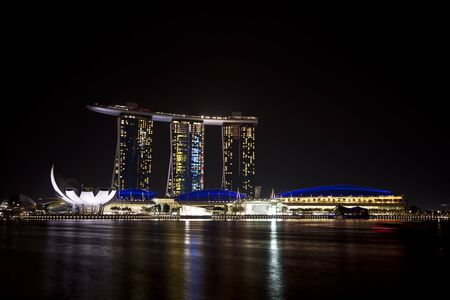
x=186, y=166
x=132, y=166
x=133, y=163
x=239, y=158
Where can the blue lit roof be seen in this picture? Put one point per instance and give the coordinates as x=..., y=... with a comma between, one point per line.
x=211, y=195
x=336, y=191
x=135, y=194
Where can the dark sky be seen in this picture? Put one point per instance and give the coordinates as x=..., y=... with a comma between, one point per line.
x=342, y=100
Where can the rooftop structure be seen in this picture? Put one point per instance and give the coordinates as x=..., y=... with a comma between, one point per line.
x=133, y=109
x=335, y=191
x=132, y=167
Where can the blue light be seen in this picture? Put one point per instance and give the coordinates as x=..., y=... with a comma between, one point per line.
x=335, y=190
x=135, y=194
x=211, y=195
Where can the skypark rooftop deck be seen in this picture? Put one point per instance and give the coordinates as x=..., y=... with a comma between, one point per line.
x=117, y=110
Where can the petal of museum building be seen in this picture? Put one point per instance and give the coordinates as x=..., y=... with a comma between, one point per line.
x=131, y=182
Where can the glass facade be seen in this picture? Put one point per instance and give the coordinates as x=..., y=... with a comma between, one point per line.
x=239, y=158
x=138, y=195
x=132, y=166
x=133, y=163
x=211, y=195
x=186, y=169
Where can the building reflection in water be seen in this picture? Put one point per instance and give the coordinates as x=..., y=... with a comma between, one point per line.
x=276, y=288
x=226, y=260
x=192, y=263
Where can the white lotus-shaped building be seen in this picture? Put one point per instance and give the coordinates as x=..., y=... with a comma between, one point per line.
x=85, y=197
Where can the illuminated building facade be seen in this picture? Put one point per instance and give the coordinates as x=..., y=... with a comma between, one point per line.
x=187, y=137
x=210, y=196
x=325, y=198
x=186, y=167
x=135, y=195
x=133, y=164
x=239, y=158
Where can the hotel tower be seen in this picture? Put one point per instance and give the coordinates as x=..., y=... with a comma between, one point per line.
x=186, y=167
x=133, y=162
x=239, y=158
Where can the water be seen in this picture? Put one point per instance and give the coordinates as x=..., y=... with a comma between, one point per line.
x=223, y=260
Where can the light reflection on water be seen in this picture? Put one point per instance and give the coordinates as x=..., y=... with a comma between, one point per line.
x=207, y=259
x=275, y=265
x=192, y=264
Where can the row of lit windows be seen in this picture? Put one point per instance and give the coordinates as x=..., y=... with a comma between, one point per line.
x=134, y=131
x=244, y=135
x=367, y=200
x=181, y=130
x=187, y=156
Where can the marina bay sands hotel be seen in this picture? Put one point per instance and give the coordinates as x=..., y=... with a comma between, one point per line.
x=133, y=161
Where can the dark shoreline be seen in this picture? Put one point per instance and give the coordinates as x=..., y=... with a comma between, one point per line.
x=219, y=218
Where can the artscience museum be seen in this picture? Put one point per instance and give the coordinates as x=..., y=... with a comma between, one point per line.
x=83, y=199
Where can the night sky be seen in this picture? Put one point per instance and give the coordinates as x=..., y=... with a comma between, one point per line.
x=343, y=100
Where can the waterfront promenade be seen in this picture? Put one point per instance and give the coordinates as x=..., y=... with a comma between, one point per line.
x=168, y=217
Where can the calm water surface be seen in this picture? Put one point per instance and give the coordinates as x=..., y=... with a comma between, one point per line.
x=224, y=260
